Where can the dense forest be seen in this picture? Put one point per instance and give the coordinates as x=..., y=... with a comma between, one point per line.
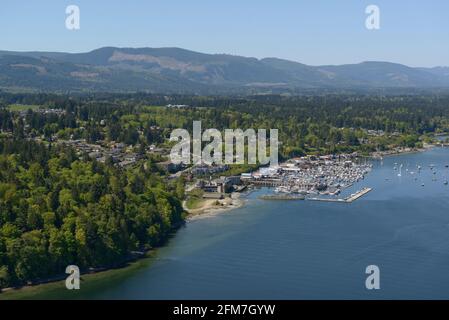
x=60, y=207
x=307, y=124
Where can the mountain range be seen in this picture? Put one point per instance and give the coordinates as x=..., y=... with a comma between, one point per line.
x=176, y=70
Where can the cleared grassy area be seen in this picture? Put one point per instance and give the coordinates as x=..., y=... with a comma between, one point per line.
x=195, y=199
x=23, y=107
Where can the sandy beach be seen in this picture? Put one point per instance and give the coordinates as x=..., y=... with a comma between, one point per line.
x=212, y=207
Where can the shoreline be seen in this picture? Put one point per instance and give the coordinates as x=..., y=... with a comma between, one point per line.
x=57, y=283
x=210, y=208
x=56, y=290
x=207, y=210
x=388, y=153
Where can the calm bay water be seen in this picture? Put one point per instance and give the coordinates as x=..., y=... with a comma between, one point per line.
x=308, y=250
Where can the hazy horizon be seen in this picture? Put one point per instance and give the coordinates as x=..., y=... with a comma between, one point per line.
x=310, y=32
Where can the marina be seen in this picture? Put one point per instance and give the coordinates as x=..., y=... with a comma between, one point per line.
x=312, y=175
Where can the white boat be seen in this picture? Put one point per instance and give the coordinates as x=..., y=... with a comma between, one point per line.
x=400, y=171
x=282, y=189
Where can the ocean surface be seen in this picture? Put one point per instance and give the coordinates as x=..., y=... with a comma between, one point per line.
x=312, y=250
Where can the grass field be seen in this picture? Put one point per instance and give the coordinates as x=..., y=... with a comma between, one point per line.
x=22, y=107
x=195, y=199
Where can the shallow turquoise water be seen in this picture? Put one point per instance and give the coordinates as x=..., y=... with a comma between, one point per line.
x=308, y=250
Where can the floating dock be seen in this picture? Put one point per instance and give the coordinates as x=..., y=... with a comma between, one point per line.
x=357, y=195
x=349, y=199
x=282, y=197
x=326, y=199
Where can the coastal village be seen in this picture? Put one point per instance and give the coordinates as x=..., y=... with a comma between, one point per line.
x=309, y=177
x=333, y=174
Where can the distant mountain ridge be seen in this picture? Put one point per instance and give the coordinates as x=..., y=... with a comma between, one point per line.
x=176, y=70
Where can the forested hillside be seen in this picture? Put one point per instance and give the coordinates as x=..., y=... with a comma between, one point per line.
x=176, y=70
x=57, y=209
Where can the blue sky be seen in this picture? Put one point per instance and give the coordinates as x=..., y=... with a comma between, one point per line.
x=314, y=32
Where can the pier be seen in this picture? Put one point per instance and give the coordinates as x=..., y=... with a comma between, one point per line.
x=357, y=195
x=326, y=199
x=349, y=199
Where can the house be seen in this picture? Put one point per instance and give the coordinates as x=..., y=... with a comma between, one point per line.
x=170, y=166
x=234, y=180
x=246, y=176
x=205, y=169
x=177, y=106
x=221, y=185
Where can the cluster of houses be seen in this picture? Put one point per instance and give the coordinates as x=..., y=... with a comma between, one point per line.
x=201, y=170
x=177, y=106
x=58, y=112
x=119, y=153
